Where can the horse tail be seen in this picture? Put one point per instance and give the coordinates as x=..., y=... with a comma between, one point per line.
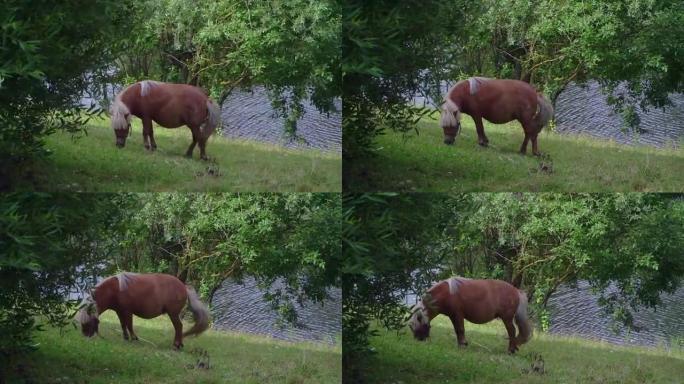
x=450, y=114
x=545, y=111
x=200, y=313
x=213, y=119
x=522, y=320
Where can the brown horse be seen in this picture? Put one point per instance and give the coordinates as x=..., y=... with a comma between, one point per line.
x=144, y=295
x=478, y=301
x=498, y=101
x=169, y=105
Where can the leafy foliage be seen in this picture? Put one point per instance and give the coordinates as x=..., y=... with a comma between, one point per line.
x=48, y=245
x=47, y=48
x=392, y=50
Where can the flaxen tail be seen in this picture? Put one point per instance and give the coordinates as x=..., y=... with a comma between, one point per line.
x=522, y=321
x=545, y=111
x=200, y=312
x=213, y=119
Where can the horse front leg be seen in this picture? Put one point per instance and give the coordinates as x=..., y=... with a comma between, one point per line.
x=510, y=328
x=122, y=320
x=481, y=137
x=178, y=327
x=147, y=133
x=459, y=328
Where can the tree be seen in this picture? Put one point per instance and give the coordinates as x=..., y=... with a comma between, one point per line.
x=48, y=48
x=392, y=50
x=48, y=245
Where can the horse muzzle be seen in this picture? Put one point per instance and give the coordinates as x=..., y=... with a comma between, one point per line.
x=120, y=143
x=449, y=140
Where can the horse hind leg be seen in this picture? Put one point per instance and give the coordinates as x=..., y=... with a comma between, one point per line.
x=129, y=324
x=203, y=146
x=178, y=327
x=510, y=328
x=523, y=147
x=535, y=149
x=148, y=139
x=194, y=142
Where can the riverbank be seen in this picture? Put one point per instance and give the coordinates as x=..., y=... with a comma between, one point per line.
x=213, y=357
x=92, y=163
x=572, y=163
x=400, y=358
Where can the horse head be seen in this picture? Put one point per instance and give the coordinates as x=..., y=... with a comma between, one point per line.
x=121, y=122
x=419, y=321
x=87, y=316
x=450, y=121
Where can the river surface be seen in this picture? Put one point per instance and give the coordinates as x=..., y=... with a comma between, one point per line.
x=574, y=311
x=241, y=307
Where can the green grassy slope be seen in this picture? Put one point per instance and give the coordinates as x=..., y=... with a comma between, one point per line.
x=574, y=164
x=93, y=163
x=232, y=357
x=400, y=358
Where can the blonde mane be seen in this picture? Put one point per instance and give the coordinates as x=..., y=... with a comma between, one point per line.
x=146, y=85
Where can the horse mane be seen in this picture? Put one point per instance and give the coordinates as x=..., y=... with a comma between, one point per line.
x=454, y=283
x=475, y=83
x=124, y=279
x=146, y=85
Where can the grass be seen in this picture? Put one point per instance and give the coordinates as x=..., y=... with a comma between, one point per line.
x=573, y=163
x=92, y=163
x=400, y=359
x=68, y=357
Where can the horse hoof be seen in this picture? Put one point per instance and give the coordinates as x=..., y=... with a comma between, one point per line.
x=484, y=144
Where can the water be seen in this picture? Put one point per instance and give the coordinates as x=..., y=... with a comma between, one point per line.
x=241, y=308
x=574, y=311
x=247, y=114
x=585, y=110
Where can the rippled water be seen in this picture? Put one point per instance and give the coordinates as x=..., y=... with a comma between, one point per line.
x=240, y=307
x=247, y=114
x=574, y=311
x=585, y=110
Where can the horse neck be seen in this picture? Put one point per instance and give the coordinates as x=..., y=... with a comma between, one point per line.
x=104, y=294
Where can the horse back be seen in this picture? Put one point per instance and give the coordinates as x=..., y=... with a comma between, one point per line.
x=149, y=295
